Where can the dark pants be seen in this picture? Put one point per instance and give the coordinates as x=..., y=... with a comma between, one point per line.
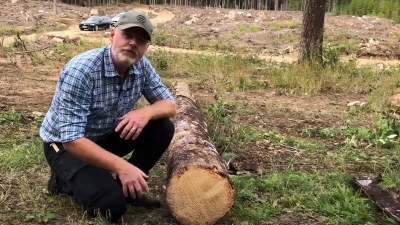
x=95, y=188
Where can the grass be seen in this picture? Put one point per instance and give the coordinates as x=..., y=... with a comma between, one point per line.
x=249, y=28
x=230, y=72
x=304, y=193
x=287, y=24
x=310, y=169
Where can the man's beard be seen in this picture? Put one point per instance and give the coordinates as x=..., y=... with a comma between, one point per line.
x=125, y=58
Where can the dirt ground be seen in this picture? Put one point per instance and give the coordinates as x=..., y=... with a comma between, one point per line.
x=378, y=38
x=29, y=88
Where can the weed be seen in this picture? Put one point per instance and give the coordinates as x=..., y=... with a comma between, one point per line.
x=235, y=36
x=287, y=24
x=159, y=60
x=6, y=30
x=318, y=132
x=40, y=218
x=18, y=44
x=289, y=38
x=162, y=36
x=328, y=194
x=247, y=199
x=331, y=52
x=12, y=116
x=224, y=132
x=251, y=28
x=21, y=154
x=276, y=138
x=387, y=132
x=242, y=27
x=254, y=28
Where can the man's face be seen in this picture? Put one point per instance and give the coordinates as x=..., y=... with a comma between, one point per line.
x=128, y=46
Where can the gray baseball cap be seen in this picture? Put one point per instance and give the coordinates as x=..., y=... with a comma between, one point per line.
x=133, y=18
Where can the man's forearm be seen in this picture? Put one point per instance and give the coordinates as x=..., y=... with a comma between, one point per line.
x=160, y=109
x=88, y=151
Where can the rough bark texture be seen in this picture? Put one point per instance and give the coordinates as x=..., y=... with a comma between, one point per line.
x=199, y=189
x=386, y=200
x=312, y=32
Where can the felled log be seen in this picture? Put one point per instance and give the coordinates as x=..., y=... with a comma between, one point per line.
x=385, y=199
x=199, y=189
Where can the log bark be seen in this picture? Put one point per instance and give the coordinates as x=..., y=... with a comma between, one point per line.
x=385, y=199
x=199, y=189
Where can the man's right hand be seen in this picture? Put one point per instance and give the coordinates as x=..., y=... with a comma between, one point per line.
x=132, y=178
x=133, y=181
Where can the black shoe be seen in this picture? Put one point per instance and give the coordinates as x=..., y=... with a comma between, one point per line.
x=52, y=187
x=144, y=201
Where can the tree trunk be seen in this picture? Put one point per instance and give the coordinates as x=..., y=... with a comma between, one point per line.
x=199, y=189
x=55, y=7
x=313, y=31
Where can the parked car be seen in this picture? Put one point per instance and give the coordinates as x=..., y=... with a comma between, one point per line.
x=96, y=23
x=117, y=17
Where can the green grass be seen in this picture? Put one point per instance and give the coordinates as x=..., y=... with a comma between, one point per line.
x=287, y=24
x=7, y=30
x=328, y=194
x=250, y=28
x=230, y=72
x=22, y=154
x=313, y=179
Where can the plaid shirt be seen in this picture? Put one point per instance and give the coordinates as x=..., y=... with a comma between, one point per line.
x=91, y=96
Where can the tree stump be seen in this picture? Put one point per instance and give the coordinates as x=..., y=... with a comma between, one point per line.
x=199, y=189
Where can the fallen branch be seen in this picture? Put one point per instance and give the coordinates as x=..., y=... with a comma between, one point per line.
x=386, y=200
x=22, y=41
x=37, y=50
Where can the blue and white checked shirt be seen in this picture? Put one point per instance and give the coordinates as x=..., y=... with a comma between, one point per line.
x=90, y=96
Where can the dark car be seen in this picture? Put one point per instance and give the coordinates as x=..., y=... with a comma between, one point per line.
x=96, y=23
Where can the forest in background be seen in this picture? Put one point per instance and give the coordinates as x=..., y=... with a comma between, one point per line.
x=389, y=9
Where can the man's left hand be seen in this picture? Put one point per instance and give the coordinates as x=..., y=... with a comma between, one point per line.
x=131, y=124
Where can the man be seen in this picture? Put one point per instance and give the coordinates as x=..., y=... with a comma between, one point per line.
x=91, y=123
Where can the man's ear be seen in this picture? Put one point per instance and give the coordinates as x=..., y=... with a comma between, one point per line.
x=112, y=33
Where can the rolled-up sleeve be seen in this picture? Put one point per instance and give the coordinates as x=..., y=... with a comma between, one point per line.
x=154, y=90
x=74, y=99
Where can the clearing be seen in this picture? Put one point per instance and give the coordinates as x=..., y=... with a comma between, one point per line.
x=29, y=88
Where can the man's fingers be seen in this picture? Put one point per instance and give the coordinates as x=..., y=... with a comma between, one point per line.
x=144, y=175
x=145, y=187
x=138, y=189
x=125, y=130
x=121, y=125
x=136, y=134
x=131, y=133
x=124, y=191
x=132, y=191
x=143, y=183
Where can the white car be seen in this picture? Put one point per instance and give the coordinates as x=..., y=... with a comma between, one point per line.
x=117, y=17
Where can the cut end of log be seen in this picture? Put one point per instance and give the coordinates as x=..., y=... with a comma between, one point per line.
x=199, y=196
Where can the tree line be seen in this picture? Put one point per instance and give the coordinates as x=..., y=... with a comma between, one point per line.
x=382, y=8
x=311, y=41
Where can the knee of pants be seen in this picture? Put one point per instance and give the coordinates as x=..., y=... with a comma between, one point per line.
x=166, y=129
x=111, y=206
